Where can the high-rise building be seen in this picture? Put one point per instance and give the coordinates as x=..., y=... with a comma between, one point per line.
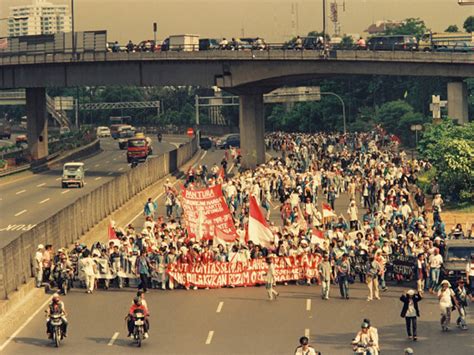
x=41, y=17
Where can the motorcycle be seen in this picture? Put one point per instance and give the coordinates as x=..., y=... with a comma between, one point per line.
x=139, y=328
x=160, y=137
x=57, y=328
x=361, y=349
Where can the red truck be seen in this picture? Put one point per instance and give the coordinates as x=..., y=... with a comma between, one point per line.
x=138, y=148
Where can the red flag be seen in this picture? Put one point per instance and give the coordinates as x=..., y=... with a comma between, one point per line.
x=258, y=231
x=328, y=211
x=112, y=234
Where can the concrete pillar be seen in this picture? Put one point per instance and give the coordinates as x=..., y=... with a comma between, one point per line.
x=252, y=130
x=37, y=124
x=457, y=101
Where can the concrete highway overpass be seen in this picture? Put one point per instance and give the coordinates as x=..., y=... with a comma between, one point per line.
x=248, y=74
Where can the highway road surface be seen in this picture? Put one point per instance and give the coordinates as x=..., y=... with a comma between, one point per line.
x=30, y=199
x=239, y=320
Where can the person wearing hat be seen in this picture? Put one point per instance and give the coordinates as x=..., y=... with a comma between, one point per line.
x=408, y=351
x=410, y=311
x=446, y=297
x=364, y=340
x=39, y=264
x=88, y=267
x=305, y=348
x=326, y=276
x=461, y=298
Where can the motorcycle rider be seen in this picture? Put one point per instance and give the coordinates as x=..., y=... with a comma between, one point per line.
x=137, y=307
x=62, y=269
x=56, y=307
x=364, y=340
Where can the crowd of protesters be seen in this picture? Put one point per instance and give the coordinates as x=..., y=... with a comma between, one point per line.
x=386, y=217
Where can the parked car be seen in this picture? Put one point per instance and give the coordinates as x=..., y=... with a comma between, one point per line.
x=230, y=140
x=205, y=143
x=463, y=47
x=457, y=254
x=392, y=43
x=103, y=131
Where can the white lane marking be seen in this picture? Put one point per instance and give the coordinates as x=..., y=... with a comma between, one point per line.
x=209, y=337
x=276, y=207
x=114, y=337
x=120, y=169
x=11, y=337
x=86, y=169
x=203, y=155
x=65, y=192
x=20, y=213
x=41, y=184
x=98, y=178
x=20, y=192
x=308, y=304
x=230, y=169
x=45, y=200
x=96, y=165
x=306, y=333
x=110, y=173
x=219, y=307
x=58, y=179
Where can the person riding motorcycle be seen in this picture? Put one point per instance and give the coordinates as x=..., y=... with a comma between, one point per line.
x=364, y=342
x=137, y=307
x=62, y=270
x=56, y=307
x=160, y=137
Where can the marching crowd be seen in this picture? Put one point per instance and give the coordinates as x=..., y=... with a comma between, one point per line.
x=387, y=220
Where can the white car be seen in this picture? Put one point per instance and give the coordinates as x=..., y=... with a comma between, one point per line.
x=103, y=131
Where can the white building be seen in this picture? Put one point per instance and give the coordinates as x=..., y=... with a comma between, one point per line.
x=41, y=17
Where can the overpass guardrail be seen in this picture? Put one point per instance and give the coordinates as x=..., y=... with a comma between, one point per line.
x=69, y=224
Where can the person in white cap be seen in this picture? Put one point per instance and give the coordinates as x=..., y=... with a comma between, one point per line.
x=39, y=265
x=270, y=280
x=408, y=351
x=446, y=297
x=410, y=311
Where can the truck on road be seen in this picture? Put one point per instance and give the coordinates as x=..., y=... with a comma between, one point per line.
x=73, y=174
x=185, y=42
x=138, y=148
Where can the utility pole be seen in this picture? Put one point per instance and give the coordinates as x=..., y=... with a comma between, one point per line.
x=324, y=23
x=155, y=29
x=73, y=35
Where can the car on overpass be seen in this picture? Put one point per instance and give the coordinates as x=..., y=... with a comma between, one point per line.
x=460, y=47
x=392, y=43
x=230, y=140
x=206, y=44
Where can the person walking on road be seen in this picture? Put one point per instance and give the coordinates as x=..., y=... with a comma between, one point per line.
x=150, y=208
x=39, y=265
x=372, y=280
x=143, y=270
x=410, y=311
x=325, y=272
x=446, y=297
x=462, y=296
x=270, y=280
x=343, y=271
x=88, y=267
x=435, y=261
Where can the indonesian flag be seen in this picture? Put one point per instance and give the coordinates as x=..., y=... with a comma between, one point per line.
x=328, y=212
x=221, y=173
x=258, y=230
x=317, y=237
x=301, y=221
x=111, y=231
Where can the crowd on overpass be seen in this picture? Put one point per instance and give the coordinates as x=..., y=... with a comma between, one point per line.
x=386, y=230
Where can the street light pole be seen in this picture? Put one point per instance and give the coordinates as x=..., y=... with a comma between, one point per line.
x=343, y=107
x=73, y=35
x=324, y=23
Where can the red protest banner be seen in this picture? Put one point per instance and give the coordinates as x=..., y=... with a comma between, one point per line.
x=251, y=273
x=206, y=214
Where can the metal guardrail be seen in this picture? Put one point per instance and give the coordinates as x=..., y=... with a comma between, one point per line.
x=69, y=224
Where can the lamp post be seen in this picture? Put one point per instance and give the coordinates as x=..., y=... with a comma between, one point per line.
x=343, y=107
x=73, y=35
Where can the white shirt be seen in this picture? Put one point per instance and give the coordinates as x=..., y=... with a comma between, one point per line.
x=436, y=261
x=445, y=300
x=309, y=351
x=87, y=265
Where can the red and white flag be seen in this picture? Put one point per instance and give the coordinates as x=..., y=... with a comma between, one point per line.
x=111, y=232
x=317, y=237
x=3, y=43
x=258, y=230
x=328, y=212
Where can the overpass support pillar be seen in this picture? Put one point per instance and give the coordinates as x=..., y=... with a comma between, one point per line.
x=37, y=125
x=252, y=130
x=457, y=101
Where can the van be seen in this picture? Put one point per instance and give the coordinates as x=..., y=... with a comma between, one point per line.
x=436, y=40
x=103, y=131
x=456, y=256
x=73, y=174
x=392, y=43
x=207, y=44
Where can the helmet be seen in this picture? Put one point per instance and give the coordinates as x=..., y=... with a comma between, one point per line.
x=137, y=301
x=304, y=340
x=56, y=298
x=364, y=325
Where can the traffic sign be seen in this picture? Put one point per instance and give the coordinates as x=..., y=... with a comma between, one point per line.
x=416, y=127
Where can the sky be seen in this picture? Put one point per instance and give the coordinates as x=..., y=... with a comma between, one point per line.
x=270, y=19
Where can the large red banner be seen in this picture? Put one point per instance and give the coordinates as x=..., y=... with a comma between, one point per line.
x=250, y=273
x=207, y=215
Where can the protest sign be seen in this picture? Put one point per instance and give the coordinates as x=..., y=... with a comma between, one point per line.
x=206, y=214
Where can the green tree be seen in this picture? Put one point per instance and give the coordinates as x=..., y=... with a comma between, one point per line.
x=469, y=24
x=410, y=26
x=452, y=28
x=390, y=113
x=346, y=42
